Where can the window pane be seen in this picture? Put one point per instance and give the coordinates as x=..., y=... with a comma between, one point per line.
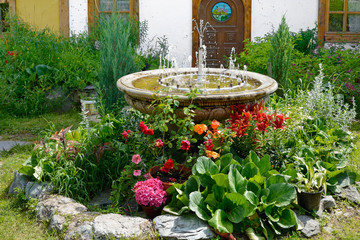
x=353, y=21
x=105, y=5
x=336, y=5
x=354, y=5
x=122, y=5
x=336, y=22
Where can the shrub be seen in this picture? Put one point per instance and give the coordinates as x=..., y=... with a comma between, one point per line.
x=37, y=64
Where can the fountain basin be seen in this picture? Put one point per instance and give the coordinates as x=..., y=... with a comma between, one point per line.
x=213, y=105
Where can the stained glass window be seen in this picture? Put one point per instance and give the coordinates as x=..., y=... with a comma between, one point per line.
x=221, y=12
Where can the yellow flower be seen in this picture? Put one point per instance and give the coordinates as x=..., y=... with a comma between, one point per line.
x=212, y=154
x=200, y=128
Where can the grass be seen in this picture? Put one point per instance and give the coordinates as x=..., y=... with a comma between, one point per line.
x=30, y=128
x=14, y=222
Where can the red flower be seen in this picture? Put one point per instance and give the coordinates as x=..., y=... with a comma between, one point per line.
x=149, y=132
x=125, y=134
x=145, y=130
x=262, y=126
x=208, y=145
x=158, y=143
x=169, y=164
x=279, y=121
x=215, y=124
x=185, y=145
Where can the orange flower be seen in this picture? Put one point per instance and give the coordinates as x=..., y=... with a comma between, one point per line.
x=215, y=124
x=200, y=128
x=212, y=154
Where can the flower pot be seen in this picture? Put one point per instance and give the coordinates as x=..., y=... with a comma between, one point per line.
x=152, y=212
x=309, y=200
x=181, y=170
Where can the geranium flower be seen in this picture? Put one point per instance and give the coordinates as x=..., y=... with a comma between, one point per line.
x=158, y=143
x=136, y=159
x=208, y=145
x=125, y=134
x=137, y=173
x=169, y=164
x=215, y=124
x=200, y=128
x=212, y=154
x=145, y=130
x=149, y=132
x=185, y=145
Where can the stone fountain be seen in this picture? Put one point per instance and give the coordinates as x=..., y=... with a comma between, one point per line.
x=220, y=87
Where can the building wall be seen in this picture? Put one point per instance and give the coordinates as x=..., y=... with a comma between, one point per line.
x=78, y=16
x=39, y=13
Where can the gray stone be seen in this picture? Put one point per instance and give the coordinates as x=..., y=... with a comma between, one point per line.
x=7, y=145
x=102, y=200
x=81, y=226
x=37, y=189
x=311, y=226
x=60, y=205
x=328, y=229
x=116, y=225
x=351, y=193
x=57, y=223
x=326, y=203
x=20, y=181
x=182, y=227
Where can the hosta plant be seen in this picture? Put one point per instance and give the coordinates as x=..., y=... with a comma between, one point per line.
x=230, y=196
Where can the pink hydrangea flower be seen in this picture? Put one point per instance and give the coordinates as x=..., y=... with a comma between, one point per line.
x=150, y=192
x=136, y=159
x=137, y=173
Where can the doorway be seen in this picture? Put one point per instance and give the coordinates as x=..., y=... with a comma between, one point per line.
x=231, y=22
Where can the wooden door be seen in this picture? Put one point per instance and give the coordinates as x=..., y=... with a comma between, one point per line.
x=230, y=20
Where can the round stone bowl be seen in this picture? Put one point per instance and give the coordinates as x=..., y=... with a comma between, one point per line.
x=213, y=105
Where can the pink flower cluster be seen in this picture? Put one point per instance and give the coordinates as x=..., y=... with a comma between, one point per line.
x=150, y=192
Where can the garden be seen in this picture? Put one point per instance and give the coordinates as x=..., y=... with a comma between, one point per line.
x=243, y=176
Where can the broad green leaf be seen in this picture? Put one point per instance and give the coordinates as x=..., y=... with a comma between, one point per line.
x=253, y=187
x=282, y=194
x=272, y=213
x=225, y=162
x=276, y=179
x=211, y=201
x=287, y=219
x=192, y=185
x=264, y=165
x=198, y=206
x=27, y=170
x=221, y=179
x=219, y=192
x=236, y=182
x=267, y=230
x=206, y=165
x=253, y=199
x=250, y=170
x=206, y=180
x=237, y=207
x=184, y=199
x=220, y=222
x=252, y=235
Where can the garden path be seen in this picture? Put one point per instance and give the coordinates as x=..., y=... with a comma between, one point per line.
x=7, y=145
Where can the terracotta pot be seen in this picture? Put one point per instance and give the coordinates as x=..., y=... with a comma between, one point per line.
x=185, y=170
x=309, y=200
x=152, y=212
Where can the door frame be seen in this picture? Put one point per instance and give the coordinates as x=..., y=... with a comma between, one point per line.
x=195, y=15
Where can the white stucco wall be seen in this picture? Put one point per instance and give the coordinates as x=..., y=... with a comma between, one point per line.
x=267, y=14
x=172, y=18
x=78, y=16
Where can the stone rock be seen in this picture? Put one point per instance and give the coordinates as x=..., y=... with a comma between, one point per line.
x=20, y=181
x=102, y=200
x=7, y=145
x=351, y=193
x=37, y=190
x=325, y=204
x=60, y=205
x=116, y=226
x=311, y=226
x=81, y=226
x=182, y=227
x=328, y=229
x=57, y=223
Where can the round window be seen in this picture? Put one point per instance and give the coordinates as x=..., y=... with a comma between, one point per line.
x=221, y=12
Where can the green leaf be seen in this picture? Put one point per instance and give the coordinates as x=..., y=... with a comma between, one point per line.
x=236, y=182
x=282, y=194
x=219, y=192
x=220, y=222
x=272, y=213
x=263, y=164
x=221, y=179
x=206, y=165
x=253, y=199
x=192, y=185
x=250, y=170
x=287, y=219
x=198, y=206
x=237, y=207
x=253, y=187
x=276, y=179
x=252, y=235
x=225, y=162
x=27, y=170
x=206, y=180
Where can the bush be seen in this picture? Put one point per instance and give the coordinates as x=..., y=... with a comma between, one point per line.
x=38, y=63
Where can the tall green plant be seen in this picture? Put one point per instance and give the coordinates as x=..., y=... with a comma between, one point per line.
x=117, y=57
x=280, y=54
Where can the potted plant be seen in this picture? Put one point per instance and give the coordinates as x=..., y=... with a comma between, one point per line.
x=170, y=173
x=311, y=183
x=150, y=195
